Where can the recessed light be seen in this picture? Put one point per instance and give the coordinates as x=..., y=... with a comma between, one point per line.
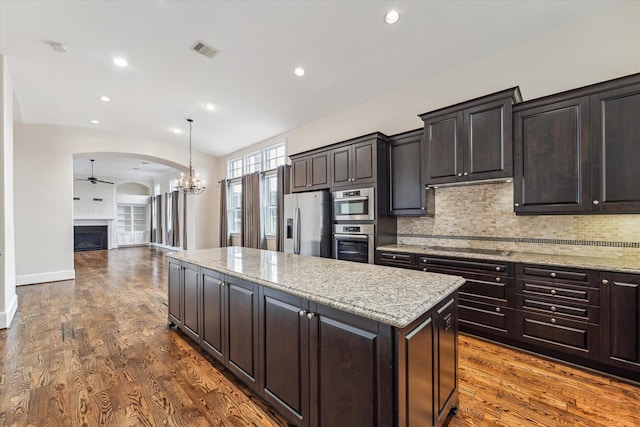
x=95, y=122
x=210, y=107
x=299, y=71
x=105, y=98
x=120, y=62
x=176, y=131
x=391, y=17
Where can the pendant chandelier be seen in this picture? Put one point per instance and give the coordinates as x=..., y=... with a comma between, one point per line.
x=192, y=185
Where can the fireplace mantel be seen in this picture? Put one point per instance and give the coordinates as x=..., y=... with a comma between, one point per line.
x=98, y=221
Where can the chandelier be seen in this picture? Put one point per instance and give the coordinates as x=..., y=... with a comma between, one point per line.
x=192, y=185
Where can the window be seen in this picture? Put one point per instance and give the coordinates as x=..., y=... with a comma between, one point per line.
x=234, y=168
x=235, y=207
x=253, y=162
x=274, y=157
x=270, y=204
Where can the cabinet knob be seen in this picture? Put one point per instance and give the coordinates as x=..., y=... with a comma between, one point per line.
x=220, y=282
x=498, y=309
x=516, y=204
x=497, y=268
x=423, y=208
x=595, y=202
x=497, y=279
x=553, y=320
x=301, y=313
x=605, y=282
x=459, y=173
x=553, y=274
x=553, y=291
x=466, y=173
x=553, y=308
x=424, y=269
x=394, y=257
x=311, y=315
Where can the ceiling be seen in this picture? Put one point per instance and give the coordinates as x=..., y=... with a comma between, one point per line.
x=111, y=167
x=349, y=53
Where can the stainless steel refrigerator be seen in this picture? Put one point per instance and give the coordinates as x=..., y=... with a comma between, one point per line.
x=307, y=223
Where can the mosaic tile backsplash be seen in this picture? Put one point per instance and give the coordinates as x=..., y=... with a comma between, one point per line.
x=481, y=216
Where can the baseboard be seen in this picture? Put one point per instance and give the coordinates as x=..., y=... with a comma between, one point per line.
x=6, y=317
x=54, y=276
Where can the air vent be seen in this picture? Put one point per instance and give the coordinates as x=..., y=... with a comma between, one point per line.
x=205, y=50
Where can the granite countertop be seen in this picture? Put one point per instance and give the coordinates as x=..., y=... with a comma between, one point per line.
x=389, y=295
x=621, y=265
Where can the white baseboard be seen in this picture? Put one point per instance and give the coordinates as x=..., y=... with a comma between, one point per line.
x=6, y=317
x=54, y=276
x=163, y=246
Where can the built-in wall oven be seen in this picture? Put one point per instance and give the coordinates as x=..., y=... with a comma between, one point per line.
x=355, y=205
x=353, y=242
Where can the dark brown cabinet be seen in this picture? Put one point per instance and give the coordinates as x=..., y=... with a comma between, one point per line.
x=407, y=196
x=470, y=141
x=214, y=314
x=620, y=327
x=355, y=163
x=310, y=172
x=576, y=152
x=174, y=285
x=184, y=297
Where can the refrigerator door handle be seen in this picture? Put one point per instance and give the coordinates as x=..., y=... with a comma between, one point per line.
x=296, y=232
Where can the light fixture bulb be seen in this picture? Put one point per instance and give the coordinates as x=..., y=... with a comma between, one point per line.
x=210, y=107
x=105, y=98
x=391, y=17
x=120, y=62
x=299, y=71
x=95, y=122
x=176, y=131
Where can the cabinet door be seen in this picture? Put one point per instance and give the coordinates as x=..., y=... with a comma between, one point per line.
x=319, y=171
x=488, y=141
x=407, y=195
x=191, y=289
x=175, y=292
x=615, y=129
x=242, y=329
x=364, y=162
x=213, y=314
x=300, y=174
x=551, y=158
x=341, y=164
x=350, y=369
x=444, y=141
x=284, y=363
x=446, y=363
x=620, y=317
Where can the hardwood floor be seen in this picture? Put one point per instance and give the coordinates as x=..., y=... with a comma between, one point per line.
x=96, y=351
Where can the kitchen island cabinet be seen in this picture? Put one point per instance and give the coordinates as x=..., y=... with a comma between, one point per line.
x=330, y=349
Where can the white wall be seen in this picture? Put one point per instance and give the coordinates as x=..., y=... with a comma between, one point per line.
x=87, y=207
x=44, y=192
x=8, y=298
x=599, y=48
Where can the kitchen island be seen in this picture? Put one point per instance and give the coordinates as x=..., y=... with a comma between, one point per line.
x=326, y=342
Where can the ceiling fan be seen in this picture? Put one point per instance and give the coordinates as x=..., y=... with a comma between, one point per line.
x=92, y=179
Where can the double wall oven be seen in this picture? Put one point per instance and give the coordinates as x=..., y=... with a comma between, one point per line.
x=353, y=228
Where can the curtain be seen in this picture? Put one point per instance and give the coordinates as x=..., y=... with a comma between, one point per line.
x=252, y=235
x=284, y=187
x=153, y=219
x=167, y=208
x=184, y=222
x=175, y=219
x=159, y=234
x=224, y=221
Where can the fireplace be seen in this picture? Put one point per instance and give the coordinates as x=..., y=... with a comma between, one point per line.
x=90, y=238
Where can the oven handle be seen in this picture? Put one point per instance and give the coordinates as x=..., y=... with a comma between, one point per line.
x=352, y=236
x=346, y=199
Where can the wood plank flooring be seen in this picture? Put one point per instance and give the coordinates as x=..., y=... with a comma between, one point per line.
x=96, y=351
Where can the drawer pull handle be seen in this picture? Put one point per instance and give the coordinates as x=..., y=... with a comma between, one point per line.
x=553, y=291
x=553, y=308
x=553, y=320
x=605, y=282
x=497, y=268
x=553, y=274
x=498, y=309
x=497, y=279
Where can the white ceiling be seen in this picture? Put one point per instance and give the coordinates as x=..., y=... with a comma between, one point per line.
x=110, y=168
x=350, y=56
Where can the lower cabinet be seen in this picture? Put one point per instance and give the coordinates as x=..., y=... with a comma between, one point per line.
x=175, y=292
x=184, y=297
x=242, y=329
x=213, y=314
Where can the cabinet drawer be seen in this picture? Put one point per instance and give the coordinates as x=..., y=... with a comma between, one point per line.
x=553, y=274
x=488, y=288
x=558, y=291
x=476, y=316
x=480, y=267
x=396, y=258
x=557, y=333
x=580, y=312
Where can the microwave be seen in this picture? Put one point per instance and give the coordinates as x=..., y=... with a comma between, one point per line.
x=355, y=204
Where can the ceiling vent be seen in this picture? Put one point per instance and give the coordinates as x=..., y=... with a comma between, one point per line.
x=205, y=50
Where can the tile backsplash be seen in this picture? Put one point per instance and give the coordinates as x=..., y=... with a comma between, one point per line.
x=482, y=216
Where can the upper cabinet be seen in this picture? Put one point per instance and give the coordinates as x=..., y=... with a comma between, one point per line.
x=470, y=141
x=310, y=172
x=577, y=152
x=354, y=163
x=407, y=194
